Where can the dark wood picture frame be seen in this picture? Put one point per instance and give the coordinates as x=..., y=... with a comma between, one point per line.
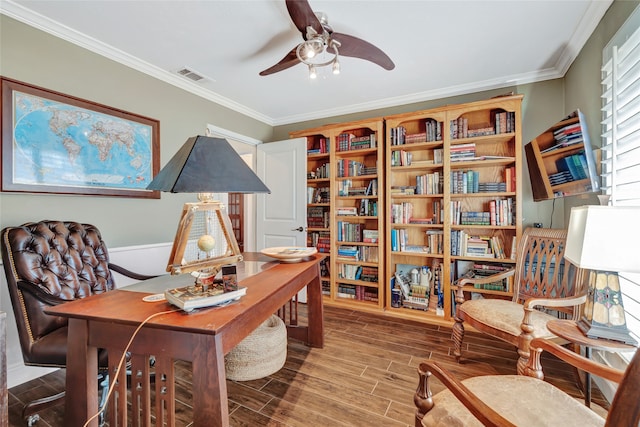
x=128, y=186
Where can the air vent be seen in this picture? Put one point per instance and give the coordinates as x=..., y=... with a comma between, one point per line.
x=190, y=74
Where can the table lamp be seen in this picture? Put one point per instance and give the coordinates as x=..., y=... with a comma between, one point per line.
x=205, y=241
x=603, y=239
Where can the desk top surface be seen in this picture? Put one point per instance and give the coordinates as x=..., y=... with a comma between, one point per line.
x=269, y=285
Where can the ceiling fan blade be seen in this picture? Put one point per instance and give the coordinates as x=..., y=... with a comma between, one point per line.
x=303, y=16
x=288, y=61
x=358, y=48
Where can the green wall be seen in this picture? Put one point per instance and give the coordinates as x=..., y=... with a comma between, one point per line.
x=35, y=57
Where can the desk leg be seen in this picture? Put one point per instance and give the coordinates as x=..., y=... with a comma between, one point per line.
x=81, y=398
x=315, y=336
x=587, y=380
x=210, y=404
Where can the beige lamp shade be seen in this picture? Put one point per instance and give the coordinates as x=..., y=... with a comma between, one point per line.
x=604, y=238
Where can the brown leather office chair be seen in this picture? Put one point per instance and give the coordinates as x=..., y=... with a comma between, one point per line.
x=48, y=263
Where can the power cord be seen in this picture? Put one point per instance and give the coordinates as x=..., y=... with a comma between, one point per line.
x=122, y=360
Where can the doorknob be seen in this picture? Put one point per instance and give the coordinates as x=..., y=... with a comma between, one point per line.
x=298, y=229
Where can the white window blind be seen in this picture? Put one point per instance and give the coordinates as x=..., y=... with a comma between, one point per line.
x=621, y=139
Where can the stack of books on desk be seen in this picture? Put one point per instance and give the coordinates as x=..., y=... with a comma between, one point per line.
x=191, y=297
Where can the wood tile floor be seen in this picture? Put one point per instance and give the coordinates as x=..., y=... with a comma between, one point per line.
x=365, y=375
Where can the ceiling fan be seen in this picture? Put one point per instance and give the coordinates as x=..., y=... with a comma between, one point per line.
x=318, y=37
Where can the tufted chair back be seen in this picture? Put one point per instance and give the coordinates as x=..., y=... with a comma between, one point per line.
x=48, y=263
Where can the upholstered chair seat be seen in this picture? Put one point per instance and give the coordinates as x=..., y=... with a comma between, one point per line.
x=506, y=316
x=538, y=404
x=521, y=400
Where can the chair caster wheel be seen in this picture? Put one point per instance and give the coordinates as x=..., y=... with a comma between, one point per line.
x=33, y=419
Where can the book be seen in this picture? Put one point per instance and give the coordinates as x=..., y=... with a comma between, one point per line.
x=189, y=298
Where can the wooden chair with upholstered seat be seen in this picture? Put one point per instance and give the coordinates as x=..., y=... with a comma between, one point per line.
x=520, y=400
x=48, y=263
x=542, y=280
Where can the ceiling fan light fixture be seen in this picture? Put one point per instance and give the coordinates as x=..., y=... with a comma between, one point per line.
x=312, y=72
x=336, y=67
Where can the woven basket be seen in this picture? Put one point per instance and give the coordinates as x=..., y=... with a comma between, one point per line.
x=260, y=354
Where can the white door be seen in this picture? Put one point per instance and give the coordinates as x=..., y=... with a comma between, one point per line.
x=282, y=215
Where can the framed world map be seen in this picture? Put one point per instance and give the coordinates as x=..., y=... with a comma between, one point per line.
x=55, y=143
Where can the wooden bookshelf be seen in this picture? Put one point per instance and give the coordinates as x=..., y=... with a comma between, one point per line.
x=471, y=162
x=561, y=161
x=414, y=167
x=354, y=209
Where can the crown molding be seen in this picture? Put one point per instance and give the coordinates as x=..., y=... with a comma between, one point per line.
x=583, y=31
x=26, y=16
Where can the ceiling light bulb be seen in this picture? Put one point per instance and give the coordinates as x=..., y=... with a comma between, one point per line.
x=309, y=51
x=312, y=72
x=336, y=67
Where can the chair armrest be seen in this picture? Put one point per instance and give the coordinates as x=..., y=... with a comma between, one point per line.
x=477, y=407
x=129, y=273
x=41, y=295
x=575, y=359
x=531, y=303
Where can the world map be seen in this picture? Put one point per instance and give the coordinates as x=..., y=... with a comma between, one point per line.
x=57, y=144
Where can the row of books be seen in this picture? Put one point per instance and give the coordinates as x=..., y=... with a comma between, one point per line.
x=357, y=272
x=358, y=253
x=406, y=158
x=346, y=188
x=565, y=136
x=318, y=194
x=317, y=146
x=354, y=232
x=501, y=213
x=504, y=122
x=465, y=244
x=463, y=152
x=349, y=141
x=357, y=292
x=570, y=168
x=431, y=183
x=402, y=213
x=433, y=242
x=318, y=217
x=321, y=172
x=464, y=182
x=485, y=270
x=321, y=240
x=368, y=207
x=346, y=167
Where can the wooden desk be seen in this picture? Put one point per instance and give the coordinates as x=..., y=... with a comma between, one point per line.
x=569, y=330
x=202, y=337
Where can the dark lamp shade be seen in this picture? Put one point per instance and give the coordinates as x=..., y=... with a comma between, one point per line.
x=207, y=165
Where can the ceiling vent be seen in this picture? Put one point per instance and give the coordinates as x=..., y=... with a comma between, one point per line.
x=190, y=74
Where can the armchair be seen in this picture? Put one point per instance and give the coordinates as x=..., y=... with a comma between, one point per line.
x=518, y=400
x=542, y=279
x=48, y=263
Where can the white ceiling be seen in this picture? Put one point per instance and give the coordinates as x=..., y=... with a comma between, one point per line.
x=441, y=48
